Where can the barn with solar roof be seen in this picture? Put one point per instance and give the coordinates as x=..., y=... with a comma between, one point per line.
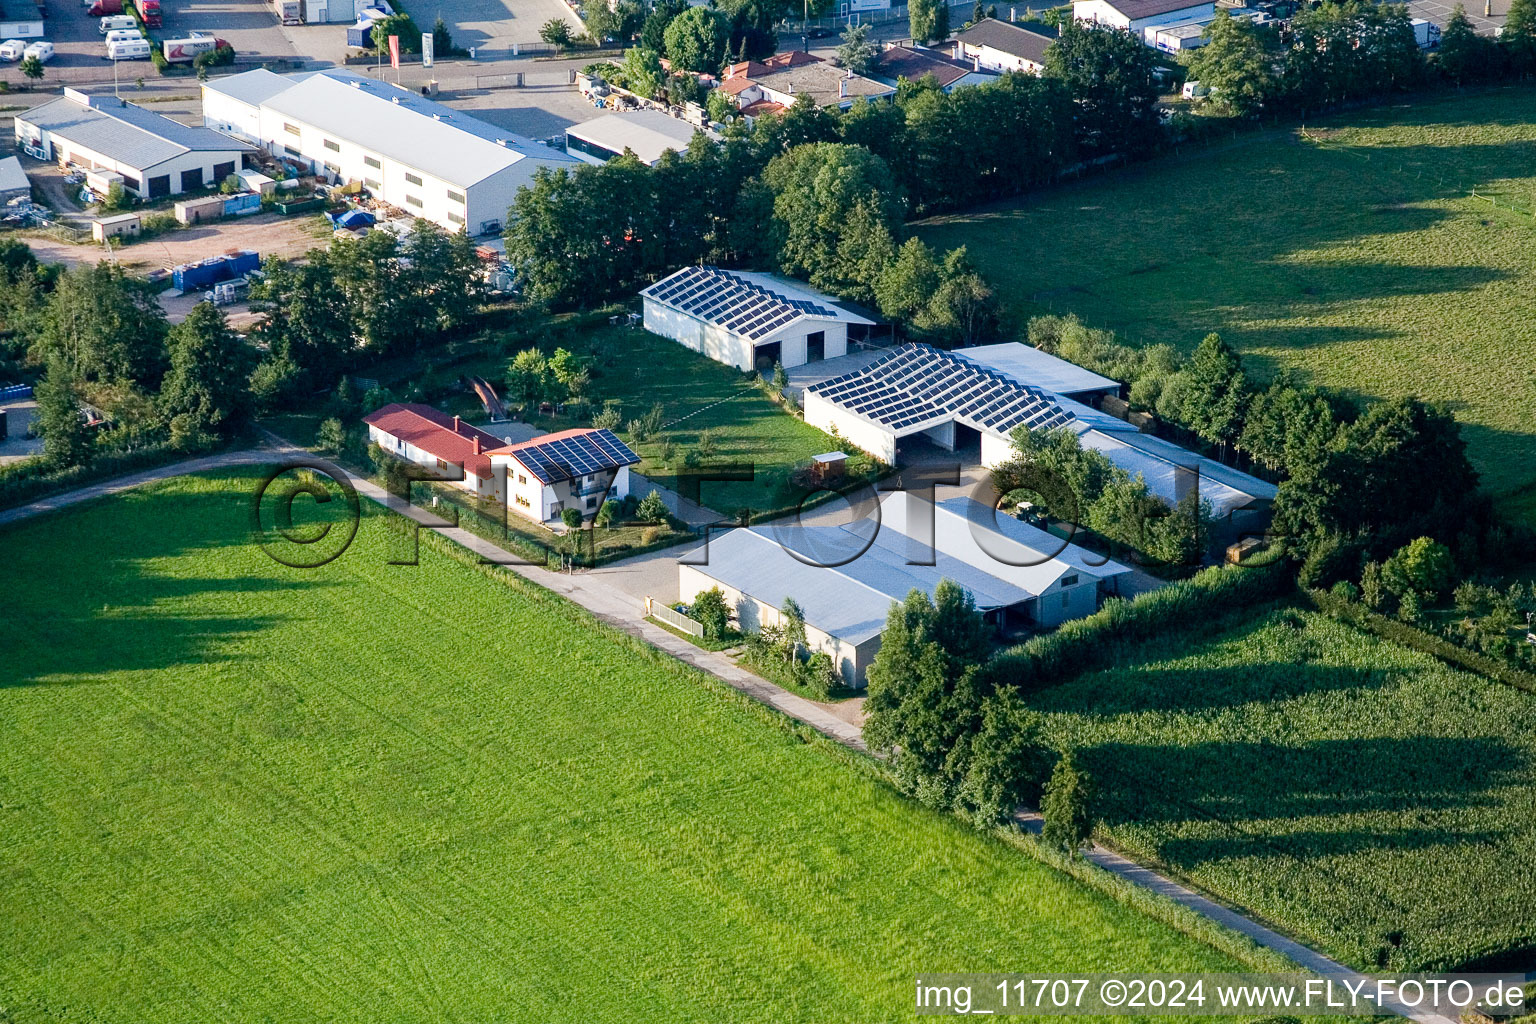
x=577, y=469
x=749, y=320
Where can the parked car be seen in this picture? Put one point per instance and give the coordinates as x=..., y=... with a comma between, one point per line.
x=42, y=50
x=12, y=49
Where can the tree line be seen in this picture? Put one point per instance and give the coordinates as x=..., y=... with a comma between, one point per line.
x=1347, y=50
x=99, y=339
x=825, y=193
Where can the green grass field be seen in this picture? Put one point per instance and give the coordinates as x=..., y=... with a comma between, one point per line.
x=1356, y=792
x=1352, y=252
x=235, y=791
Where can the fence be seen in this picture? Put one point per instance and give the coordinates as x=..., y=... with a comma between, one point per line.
x=677, y=620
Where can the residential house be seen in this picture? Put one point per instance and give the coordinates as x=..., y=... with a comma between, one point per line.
x=914, y=63
x=572, y=469
x=993, y=45
x=442, y=444
x=773, y=85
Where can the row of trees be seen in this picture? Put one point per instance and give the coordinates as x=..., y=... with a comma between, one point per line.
x=1346, y=50
x=1355, y=484
x=954, y=740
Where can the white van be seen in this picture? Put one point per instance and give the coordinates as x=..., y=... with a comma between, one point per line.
x=128, y=49
x=11, y=49
x=113, y=22
x=42, y=50
x=124, y=35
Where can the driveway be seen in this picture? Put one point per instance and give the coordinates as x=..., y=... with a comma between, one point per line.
x=18, y=420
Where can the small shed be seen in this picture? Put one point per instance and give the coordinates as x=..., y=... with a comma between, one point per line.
x=257, y=182
x=13, y=181
x=124, y=224
x=828, y=468
x=197, y=211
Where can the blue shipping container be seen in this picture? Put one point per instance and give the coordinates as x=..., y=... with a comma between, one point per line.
x=242, y=263
x=234, y=206
x=190, y=276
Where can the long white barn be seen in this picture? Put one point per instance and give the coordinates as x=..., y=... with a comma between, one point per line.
x=427, y=159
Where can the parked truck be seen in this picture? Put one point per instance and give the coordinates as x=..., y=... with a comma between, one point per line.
x=102, y=8
x=289, y=12
x=149, y=10
x=1426, y=34
x=182, y=50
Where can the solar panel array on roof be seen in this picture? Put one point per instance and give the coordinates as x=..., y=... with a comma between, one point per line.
x=567, y=457
x=736, y=304
x=917, y=383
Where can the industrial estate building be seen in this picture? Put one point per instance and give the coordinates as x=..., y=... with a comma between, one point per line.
x=1142, y=18
x=846, y=578
x=957, y=399
x=749, y=320
x=154, y=155
x=648, y=134
x=414, y=153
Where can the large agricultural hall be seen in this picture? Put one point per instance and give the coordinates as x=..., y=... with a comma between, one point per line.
x=974, y=399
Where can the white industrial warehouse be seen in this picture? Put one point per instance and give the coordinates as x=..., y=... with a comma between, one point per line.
x=954, y=399
x=648, y=134
x=155, y=155
x=414, y=153
x=846, y=578
x=749, y=320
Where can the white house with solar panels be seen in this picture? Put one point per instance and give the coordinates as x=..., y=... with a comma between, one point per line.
x=845, y=578
x=749, y=320
x=577, y=469
x=920, y=395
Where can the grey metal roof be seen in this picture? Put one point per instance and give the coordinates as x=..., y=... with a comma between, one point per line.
x=128, y=134
x=1028, y=43
x=752, y=305
x=646, y=133
x=851, y=600
x=254, y=87
x=912, y=63
x=918, y=384
x=1037, y=368
x=12, y=177
x=405, y=127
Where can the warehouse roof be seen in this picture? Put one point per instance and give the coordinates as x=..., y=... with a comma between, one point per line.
x=1172, y=472
x=254, y=87
x=396, y=123
x=570, y=453
x=1028, y=43
x=850, y=600
x=752, y=305
x=126, y=133
x=646, y=133
x=438, y=434
x=1030, y=365
x=916, y=386
x=1135, y=10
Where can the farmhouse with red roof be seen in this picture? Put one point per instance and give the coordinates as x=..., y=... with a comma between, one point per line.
x=431, y=438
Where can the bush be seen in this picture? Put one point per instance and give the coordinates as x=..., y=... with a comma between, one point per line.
x=711, y=611
x=1422, y=565
x=651, y=509
x=819, y=675
x=1068, y=809
x=331, y=438
x=608, y=515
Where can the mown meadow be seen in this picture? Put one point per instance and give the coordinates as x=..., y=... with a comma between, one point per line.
x=231, y=790
x=1359, y=794
x=1352, y=251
